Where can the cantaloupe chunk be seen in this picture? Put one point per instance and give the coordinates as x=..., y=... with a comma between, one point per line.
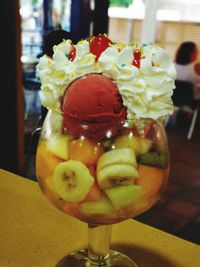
x=85, y=150
x=71, y=209
x=151, y=178
x=94, y=194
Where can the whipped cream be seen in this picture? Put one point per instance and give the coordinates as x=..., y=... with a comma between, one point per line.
x=146, y=91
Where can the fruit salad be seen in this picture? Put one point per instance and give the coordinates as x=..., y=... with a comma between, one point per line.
x=103, y=155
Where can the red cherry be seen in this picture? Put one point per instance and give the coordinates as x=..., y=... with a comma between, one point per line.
x=72, y=53
x=98, y=44
x=137, y=58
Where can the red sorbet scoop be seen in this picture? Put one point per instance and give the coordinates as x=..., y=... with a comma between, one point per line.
x=92, y=107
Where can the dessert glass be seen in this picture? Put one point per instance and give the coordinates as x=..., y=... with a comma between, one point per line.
x=102, y=182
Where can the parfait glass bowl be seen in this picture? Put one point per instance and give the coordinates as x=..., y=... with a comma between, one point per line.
x=101, y=181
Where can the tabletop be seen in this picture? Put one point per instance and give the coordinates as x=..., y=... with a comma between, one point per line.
x=35, y=234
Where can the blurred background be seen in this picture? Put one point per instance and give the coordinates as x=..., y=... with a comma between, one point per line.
x=25, y=23
x=166, y=22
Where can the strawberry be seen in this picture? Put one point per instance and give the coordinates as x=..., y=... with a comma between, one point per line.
x=137, y=58
x=98, y=44
x=72, y=53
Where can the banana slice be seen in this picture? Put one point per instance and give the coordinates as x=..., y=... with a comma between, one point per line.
x=117, y=156
x=72, y=180
x=116, y=167
x=117, y=174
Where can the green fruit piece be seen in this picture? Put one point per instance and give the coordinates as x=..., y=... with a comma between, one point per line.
x=101, y=207
x=124, y=196
x=58, y=145
x=156, y=159
x=140, y=145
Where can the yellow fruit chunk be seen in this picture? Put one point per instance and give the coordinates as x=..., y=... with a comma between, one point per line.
x=140, y=145
x=96, y=208
x=86, y=151
x=45, y=161
x=151, y=178
x=58, y=145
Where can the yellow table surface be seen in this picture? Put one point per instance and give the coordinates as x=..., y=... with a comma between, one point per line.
x=35, y=234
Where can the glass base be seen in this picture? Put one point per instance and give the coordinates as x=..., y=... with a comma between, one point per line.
x=80, y=259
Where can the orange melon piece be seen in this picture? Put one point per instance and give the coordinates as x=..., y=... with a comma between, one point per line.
x=71, y=209
x=50, y=193
x=150, y=178
x=45, y=161
x=95, y=193
x=92, y=170
x=85, y=150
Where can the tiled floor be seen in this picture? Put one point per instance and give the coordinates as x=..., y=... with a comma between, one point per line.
x=178, y=210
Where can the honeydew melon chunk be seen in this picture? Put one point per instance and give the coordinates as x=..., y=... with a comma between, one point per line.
x=140, y=145
x=101, y=207
x=58, y=145
x=124, y=196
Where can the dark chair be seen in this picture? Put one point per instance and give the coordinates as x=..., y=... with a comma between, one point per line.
x=183, y=99
x=183, y=94
x=31, y=83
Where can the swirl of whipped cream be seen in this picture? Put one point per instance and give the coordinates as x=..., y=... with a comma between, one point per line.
x=148, y=95
x=146, y=91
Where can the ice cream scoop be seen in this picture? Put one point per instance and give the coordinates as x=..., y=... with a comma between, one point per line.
x=92, y=107
x=144, y=77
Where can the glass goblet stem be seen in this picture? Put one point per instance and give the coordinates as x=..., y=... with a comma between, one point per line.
x=99, y=244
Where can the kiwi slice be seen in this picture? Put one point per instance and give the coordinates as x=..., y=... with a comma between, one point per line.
x=156, y=159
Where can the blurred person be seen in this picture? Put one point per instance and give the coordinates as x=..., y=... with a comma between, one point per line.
x=187, y=65
x=54, y=38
